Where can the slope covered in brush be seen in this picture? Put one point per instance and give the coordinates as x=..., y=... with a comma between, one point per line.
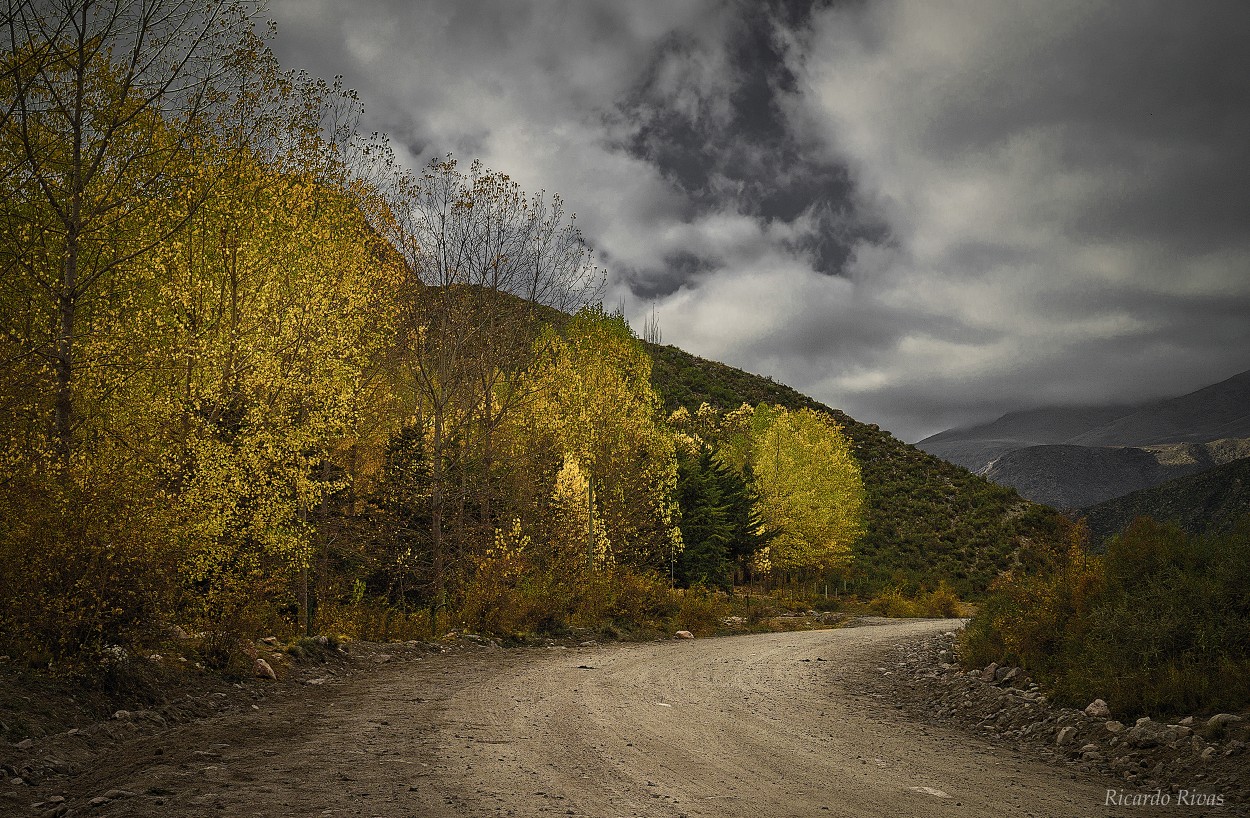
x=1207, y=503
x=926, y=520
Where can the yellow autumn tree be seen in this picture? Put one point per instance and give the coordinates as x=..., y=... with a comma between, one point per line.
x=579, y=537
x=810, y=490
x=594, y=407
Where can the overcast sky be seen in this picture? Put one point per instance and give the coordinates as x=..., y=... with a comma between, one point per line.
x=926, y=214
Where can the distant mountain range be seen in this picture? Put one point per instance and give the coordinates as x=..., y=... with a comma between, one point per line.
x=1071, y=458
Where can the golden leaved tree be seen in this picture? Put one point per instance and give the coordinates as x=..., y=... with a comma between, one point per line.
x=278, y=303
x=595, y=416
x=810, y=490
x=106, y=103
x=481, y=257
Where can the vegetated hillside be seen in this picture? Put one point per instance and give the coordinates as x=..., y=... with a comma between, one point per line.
x=1072, y=477
x=927, y=520
x=1207, y=503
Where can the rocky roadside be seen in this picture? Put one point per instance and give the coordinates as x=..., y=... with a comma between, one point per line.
x=1204, y=756
x=55, y=733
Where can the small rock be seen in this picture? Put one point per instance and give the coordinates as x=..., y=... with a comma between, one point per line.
x=1207, y=754
x=269, y=640
x=322, y=640
x=946, y=657
x=1097, y=709
x=1115, y=727
x=987, y=675
x=684, y=635
x=1188, y=721
x=1221, y=720
x=178, y=633
x=121, y=715
x=97, y=801
x=382, y=658
x=24, y=744
x=262, y=670
x=1013, y=677
x=57, y=799
x=1065, y=735
x=1147, y=733
x=111, y=794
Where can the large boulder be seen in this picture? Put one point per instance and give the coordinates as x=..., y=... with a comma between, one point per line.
x=1220, y=721
x=263, y=670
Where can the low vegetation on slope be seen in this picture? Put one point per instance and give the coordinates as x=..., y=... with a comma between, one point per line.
x=1207, y=503
x=1160, y=624
x=926, y=521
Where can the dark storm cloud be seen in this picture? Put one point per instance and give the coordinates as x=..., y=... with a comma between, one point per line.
x=926, y=214
x=731, y=143
x=676, y=270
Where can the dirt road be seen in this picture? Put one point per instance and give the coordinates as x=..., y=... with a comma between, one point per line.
x=767, y=725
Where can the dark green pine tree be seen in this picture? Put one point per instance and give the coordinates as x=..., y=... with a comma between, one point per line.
x=739, y=498
x=706, y=524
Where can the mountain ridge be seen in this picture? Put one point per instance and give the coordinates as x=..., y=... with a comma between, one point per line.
x=1071, y=457
x=1210, y=502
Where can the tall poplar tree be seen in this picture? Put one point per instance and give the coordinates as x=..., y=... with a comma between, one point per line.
x=110, y=100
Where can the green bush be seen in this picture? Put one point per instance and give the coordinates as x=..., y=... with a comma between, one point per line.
x=894, y=603
x=1159, y=625
x=86, y=573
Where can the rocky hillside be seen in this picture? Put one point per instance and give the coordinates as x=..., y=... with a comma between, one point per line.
x=1072, y=477
x=1211, y=502
x=975, y=447
x=928, y=520
x=1007, y=709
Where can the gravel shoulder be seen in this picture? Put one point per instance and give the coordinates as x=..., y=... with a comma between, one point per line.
x=770, y=724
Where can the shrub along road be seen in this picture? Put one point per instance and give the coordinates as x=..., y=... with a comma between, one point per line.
x=761, y=725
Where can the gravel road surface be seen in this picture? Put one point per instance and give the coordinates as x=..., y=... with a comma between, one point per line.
x=763, y=725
